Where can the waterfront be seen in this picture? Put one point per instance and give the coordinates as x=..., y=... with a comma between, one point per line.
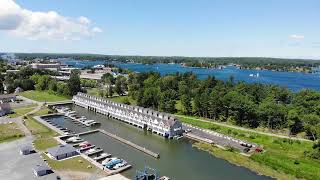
x=178, y=159
x=292, y=80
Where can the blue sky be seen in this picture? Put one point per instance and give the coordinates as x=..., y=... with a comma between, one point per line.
x=270, y=28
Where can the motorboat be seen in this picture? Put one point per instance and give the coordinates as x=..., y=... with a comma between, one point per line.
x=112, y=163
x=85, y=144
x=102, y=155
x=104, y=162
x=120, y=165
x=74, y=139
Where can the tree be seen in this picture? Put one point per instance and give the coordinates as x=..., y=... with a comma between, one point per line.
x=241, y=108
x=311, y=124
x=1, y=87
x=294, y=122
x=186, y=104
x=120, y=85
x=74, y=84
x=271, y=114
x=43, y=82
x=149, y=97
x=27, y=84
x=167, y=101
x=53, y=85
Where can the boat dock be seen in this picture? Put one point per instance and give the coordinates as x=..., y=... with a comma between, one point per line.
x=143, y=149
x=99, y=158
x=95, y=152
x=41, y=120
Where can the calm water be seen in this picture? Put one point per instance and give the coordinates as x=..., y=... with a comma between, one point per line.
x=178, y=159
x=292, y=80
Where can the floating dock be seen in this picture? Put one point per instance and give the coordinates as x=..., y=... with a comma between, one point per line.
x=147, y=151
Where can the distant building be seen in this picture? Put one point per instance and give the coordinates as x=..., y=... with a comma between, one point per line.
x=6, y=98
x=5, y=109
x=41, y=170
x=48, y=66
x=62, y=152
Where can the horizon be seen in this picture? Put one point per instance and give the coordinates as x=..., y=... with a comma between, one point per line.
x=57, y=53
x=270, y=29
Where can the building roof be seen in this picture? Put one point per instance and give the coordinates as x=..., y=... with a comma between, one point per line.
x=61, y=150
x=40, y=168
x=6, y=96
x=26, y=148
x=5, y=106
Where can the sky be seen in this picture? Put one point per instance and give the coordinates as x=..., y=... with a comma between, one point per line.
x=215, y=28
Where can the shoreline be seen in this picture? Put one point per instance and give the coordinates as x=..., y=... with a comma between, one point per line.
x=242, y=161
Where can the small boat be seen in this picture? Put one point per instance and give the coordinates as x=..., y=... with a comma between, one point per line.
x=113, y=162
x=74, y=139
x=92, y=150
x=84, y=144
x=104, y=162
x=120, y=165
x=103, y=155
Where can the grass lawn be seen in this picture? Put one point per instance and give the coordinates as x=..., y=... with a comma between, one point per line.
x=93, y=91
x=73, y=164
x=121, y=99
x=39, y=129
x=43, y=111
x=43, y=96
x=22, y=110
x=283, y=155
x=10, y=132
x=43, y=144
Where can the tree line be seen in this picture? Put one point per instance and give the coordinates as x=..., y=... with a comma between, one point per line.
x=240, y=103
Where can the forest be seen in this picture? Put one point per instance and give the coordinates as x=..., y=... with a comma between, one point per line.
x=239, y=103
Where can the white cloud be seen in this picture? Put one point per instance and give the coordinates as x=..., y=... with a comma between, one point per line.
x=84, y=20
x=43, y=25
x=296, y=36
x=97, y=30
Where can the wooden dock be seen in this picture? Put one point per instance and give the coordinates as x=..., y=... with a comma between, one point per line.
x=147, y=151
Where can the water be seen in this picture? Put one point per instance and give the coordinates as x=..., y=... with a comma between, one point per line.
x=292, y=80
x=178, y=159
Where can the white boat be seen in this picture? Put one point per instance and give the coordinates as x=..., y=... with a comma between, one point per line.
x=74, y=139
x=120, y=165
x=102, y=155
x=91, y=150
x=104, y=162
x=89, y=121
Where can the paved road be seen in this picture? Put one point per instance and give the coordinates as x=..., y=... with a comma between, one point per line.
x=217, y=138
x=246, y=129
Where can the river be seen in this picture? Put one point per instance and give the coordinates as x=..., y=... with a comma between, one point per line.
x=178, y=159
x=295, y=81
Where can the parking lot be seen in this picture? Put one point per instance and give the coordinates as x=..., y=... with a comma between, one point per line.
x=15, y=166
x=217, y=138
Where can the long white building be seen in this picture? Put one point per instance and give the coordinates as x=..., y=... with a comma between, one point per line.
x=161, y=123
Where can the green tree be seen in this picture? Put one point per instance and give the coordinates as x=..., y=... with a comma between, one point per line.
x=311, y=124
x=186, y=104
x=74, y=84
x=272, y=115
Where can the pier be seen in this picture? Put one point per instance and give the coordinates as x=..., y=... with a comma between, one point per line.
x=42, y=121
x=147, y=151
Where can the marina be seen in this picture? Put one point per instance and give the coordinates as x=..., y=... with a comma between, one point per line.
x=187, y=156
